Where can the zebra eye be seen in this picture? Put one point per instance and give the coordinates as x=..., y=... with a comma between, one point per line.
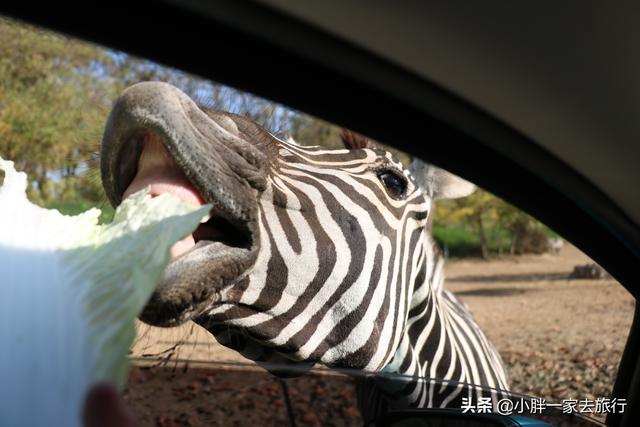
x=395, y=183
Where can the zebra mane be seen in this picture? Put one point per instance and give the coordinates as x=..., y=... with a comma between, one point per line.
x=354, y=141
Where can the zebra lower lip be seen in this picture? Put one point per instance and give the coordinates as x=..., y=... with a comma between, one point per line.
x=192, y=282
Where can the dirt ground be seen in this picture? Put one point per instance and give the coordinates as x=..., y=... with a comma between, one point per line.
x=559, y=339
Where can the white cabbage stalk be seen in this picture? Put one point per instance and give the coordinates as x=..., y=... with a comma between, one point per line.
x=70, y=290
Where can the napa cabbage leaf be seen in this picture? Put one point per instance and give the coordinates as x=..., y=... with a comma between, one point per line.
x=70, y=290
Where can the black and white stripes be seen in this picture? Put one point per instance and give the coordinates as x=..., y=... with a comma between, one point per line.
x=310, y=255
x=348, y=275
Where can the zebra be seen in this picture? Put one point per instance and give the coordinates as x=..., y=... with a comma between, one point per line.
x=311, y=255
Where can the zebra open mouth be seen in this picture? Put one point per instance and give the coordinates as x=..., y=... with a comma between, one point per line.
x=149, y=164
x=157, y=137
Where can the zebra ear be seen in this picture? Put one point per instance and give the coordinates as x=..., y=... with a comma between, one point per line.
x=438, y=183
x=354, y=141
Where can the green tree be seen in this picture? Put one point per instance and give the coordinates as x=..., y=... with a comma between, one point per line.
x=55, y=94
x=528, y=235
x=52, y=103
x=479, y=211
x=308, y=130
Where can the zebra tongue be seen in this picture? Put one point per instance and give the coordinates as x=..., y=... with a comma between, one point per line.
x=173, y=184
x=158, y=171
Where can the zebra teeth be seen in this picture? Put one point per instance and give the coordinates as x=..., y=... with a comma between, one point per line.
x=205, y=218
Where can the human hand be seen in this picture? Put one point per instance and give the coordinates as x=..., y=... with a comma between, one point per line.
x=104, y=407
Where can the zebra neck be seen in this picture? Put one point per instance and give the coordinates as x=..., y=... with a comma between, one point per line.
x=442, y=340
x=421, y=347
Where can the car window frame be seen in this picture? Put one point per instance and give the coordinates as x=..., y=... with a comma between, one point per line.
x=353, y=88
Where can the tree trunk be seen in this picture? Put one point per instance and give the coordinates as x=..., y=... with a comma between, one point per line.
x=41, y=180
x=514, y=242
x=483, y=238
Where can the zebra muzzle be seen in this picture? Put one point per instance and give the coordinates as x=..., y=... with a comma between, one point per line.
x=157, y=137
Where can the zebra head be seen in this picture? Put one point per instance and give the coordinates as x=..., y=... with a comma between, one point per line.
x=310, y=254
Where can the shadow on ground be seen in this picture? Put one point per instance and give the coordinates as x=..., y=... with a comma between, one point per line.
x=505, y=278
x=494, y=292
